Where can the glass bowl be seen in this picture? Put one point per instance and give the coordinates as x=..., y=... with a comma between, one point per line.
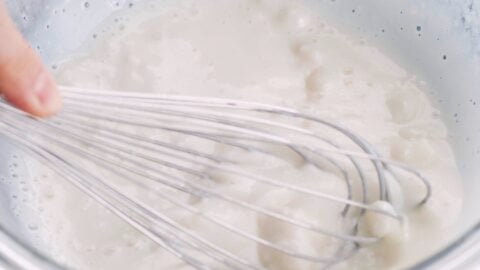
x=438, y=40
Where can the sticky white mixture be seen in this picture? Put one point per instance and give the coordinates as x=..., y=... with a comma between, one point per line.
x=276, y=52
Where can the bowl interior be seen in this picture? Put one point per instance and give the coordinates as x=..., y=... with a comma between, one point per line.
x=438, y=40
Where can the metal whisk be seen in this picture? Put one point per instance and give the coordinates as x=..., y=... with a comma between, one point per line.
x=162, y=162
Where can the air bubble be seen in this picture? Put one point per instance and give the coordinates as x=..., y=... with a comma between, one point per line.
x=294, y=18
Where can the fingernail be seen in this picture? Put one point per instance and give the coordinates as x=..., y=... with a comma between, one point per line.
x=45, y=91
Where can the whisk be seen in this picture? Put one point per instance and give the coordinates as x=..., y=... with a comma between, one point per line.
x=163, y=162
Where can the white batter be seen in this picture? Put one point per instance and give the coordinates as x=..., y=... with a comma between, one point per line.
x=276, y=52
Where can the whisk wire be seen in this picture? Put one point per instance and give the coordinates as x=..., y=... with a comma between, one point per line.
x=97, y=127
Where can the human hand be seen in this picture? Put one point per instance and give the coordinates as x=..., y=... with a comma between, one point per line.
x=24, y=81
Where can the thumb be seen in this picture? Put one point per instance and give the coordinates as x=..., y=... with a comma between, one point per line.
x=24, y=81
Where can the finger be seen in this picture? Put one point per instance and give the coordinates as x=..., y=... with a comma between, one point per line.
x=24, y=81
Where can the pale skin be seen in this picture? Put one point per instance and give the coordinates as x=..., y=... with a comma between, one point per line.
x=24, y=80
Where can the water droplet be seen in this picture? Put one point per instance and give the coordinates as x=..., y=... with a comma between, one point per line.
x=86, y=4
x=33, y=227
